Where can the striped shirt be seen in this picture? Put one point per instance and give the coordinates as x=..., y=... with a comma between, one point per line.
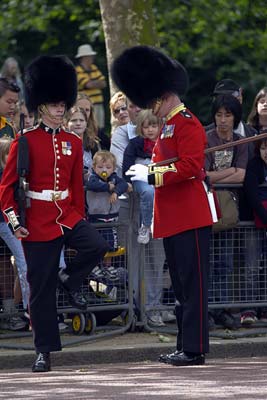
x=84, y=76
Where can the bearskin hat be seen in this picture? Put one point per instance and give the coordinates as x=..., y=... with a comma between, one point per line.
x=145, y=74
x=50, y=79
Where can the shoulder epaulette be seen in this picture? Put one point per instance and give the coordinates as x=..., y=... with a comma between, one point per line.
x=32, y=128
x=185, y=114
x=72, y=133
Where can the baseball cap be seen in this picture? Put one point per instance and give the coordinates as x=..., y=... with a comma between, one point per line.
x=227, y=86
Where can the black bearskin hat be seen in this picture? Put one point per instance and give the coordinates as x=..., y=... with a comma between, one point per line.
x=50, y=79
x=145, y=74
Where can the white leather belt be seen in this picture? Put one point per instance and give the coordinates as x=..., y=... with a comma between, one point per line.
x=48, y=195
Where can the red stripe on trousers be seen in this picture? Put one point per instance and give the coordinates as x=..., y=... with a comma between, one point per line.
x=201, y=290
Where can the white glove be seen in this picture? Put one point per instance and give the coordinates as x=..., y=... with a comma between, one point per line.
x=138, y=172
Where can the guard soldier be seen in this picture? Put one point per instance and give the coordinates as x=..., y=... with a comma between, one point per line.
x=182, y=214
x=55, y=217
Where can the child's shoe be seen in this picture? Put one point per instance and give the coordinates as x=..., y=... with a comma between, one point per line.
x=111, y=273
x=143, y=234
x=14, y=324
x=248, y=318
x=155, y=319
x=97, y=273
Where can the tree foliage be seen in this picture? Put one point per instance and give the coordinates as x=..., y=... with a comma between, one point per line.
x=216, y=39
x=33, y=27
x=213, y=39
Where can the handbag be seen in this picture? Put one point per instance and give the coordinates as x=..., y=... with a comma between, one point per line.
x=257, y=220
x=229, y=211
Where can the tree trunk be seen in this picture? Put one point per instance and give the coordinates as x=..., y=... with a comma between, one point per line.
x=126, y=23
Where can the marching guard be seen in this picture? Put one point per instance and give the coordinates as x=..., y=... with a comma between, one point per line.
x=56, y=214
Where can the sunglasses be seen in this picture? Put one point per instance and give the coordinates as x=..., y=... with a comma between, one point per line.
x=118, y=110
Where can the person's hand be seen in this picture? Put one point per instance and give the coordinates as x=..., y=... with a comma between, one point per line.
x=130, y=187
x=111, y=186
x=21, y=233
x=113, y=198
x=138, y=172
x=86, y=176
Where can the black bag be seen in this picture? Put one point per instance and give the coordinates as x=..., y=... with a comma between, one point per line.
x=229, y=211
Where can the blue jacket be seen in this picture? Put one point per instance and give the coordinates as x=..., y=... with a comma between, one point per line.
x=98, y=195
x=133, y=154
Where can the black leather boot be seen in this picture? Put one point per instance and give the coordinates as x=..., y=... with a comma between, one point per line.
x=76, y=298
x=166, y=358
x=42, y=363
x=185, y=359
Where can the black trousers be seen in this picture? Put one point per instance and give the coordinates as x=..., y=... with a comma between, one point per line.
x=187, y=255
x=43, y=267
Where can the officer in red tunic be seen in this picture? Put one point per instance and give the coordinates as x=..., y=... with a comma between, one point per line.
x=56, y=214
x=182, y=214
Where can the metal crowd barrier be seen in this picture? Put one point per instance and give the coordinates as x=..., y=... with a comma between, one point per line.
x=238, y=273
x=142, y=286
x=108, y=290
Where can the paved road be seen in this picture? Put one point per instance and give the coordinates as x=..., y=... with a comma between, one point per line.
x=240, y=379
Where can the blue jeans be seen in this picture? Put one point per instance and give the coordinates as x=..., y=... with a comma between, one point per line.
x=153, y=272
x=146, y=193
x=16, y=249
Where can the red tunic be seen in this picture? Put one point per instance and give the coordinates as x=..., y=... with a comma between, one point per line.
x=180, y=200
x=56, y=163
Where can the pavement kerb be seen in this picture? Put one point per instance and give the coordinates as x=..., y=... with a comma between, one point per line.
x=128, y=350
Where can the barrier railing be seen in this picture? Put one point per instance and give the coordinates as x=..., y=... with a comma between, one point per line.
x=238, y=277
x=137, y=288
x=108, y=290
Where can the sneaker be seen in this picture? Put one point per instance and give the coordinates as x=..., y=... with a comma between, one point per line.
x=226, y=319
x=155, y=319
x=14, y=324
x=111, y=273
x=168, y=316
x=97, y=273
x=143, y=234
x=248, y=318
x=62, y=326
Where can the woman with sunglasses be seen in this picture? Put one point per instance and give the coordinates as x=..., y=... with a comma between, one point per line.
x=118, y=109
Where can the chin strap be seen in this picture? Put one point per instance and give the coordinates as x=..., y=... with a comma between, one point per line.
x=42, y=109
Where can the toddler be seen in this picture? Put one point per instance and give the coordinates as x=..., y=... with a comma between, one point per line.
x=139, y=151
x=103, y=189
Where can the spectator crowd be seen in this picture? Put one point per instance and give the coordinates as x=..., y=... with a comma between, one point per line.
x=108, y=153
